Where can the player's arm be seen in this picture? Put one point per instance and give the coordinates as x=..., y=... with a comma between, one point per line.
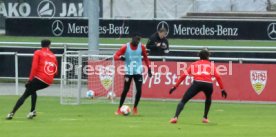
x=167, y=43
x=34, y=65
x=119, y=54
x=146, y=59
x=218, y=78
x=182, y=77
x=151, y=43
x=145, y=56
x=165, y=46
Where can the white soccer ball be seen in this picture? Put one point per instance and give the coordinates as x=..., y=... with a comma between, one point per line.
x=125, y=109
x=110, y=95
x=90, y=94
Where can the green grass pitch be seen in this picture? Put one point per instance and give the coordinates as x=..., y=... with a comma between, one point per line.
x=98, y=120
x=144, y=40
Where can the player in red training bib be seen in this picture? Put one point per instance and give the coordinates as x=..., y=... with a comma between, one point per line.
x=202, y=71
x=44, y=68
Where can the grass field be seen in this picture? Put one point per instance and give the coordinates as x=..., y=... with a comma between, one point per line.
x=98, y=120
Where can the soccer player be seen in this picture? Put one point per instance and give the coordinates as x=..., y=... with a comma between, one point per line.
x=44, y=67
x=202, y=71
x=131, y=53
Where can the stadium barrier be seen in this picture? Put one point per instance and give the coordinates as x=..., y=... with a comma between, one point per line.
x=83, y=46
x=175, y=51
x=245, y=82
x=264, y=64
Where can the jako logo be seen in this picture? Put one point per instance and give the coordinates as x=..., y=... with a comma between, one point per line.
x=57, y=28
x=46, y=8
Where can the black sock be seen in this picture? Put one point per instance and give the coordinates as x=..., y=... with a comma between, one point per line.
x=138, y=83
x=123, y=97
x=191, y=92
x=207, y=107
x=179, y=108
x=34, y=97
x=127, y=83
x=20, y=101
x=137, y=99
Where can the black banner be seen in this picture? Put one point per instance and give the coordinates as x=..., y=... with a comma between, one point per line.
x=24, y=63
x=41, y=8
x=188, y=29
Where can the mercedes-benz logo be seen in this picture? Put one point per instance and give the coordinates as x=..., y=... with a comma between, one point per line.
x=57, y=28
x=165, y=25
x=271, y=30
x=46, y=8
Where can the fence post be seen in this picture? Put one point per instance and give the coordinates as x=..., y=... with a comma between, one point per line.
x=65, y=48
x=79, y=77
x=240, y=61
x=61, y=78
x=16, y=72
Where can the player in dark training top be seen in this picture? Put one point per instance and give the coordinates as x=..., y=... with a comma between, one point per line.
x=131, y=53
x=202, y=71
x=44, y=68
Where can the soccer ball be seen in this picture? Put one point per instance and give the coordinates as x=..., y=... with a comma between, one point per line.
x=90, y=94
x=125, y=109
x=110, y=95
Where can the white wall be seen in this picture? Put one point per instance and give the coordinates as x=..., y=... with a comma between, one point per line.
x=172, y=9
x=249, y=5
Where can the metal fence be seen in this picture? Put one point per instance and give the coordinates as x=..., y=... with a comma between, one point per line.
x=111, y=47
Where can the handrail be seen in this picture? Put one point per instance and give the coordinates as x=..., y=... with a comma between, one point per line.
x=7, y=53
x=234, y=48
x=23, y=54
x=239, y=60
x=159, y=57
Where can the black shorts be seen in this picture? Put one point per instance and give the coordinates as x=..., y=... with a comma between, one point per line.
x=196, y=87
x=35, y=85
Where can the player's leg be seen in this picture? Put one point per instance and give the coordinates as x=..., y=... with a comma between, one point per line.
x=138, y=79
x=36, y=85
x=127, y=82
x=34, y=98
x=208, y=90
x=32, y=113
x=19, y=102
x=191, y=92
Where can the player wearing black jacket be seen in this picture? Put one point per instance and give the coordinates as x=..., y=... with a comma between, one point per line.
x=158, y=44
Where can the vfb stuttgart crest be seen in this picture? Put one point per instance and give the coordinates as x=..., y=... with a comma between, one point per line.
x=106, y=76
x=50, y=68
x=258, y=80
